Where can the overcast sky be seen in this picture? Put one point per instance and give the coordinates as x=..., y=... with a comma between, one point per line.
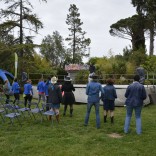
x=96, y=15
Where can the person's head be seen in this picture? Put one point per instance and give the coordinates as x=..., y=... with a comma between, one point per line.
x=110, y=81
x=54, y=80
x=41, y=79
x=94, y=77
x=29, y=81
x=67, y=78
x=136, y=78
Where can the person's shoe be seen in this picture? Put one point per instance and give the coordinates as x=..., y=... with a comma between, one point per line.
x=112, y=120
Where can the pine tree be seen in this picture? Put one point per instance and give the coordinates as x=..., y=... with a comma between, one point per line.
x=76, y=38
x=17, y=20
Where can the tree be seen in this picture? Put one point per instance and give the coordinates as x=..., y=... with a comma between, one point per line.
x=131, y=28
x=76, y=39
x=147, y=8
x=18, y=17
x=53, y=49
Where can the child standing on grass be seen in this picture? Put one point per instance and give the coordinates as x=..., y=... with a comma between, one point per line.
x=54, y=98
x=108, y=98
x=28, y=93
x=6, y=90
x=16, y=91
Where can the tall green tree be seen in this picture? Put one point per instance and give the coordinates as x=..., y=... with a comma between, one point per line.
x=76, y=38
x=53, y=49
x=131, y=28
x=147, y=8
x=17, y=20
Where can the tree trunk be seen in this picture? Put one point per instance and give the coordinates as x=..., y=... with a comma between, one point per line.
x=151, y=48
x=74, y=40
x=21, y=36
x=21, y=24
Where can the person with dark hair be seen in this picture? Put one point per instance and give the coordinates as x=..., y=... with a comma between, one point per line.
x=93, y=90
x=28, y=92
x=91, y=71
x=92, y=68
x=68, y=97
x=108, y=99
x=16, y=90
x=135, y=94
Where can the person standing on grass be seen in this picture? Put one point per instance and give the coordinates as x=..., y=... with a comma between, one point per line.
x=68, y=97
x=93, y=90
x=135, y=94
x=46, y=85
x=16, y=91
x=55, y=97
x=6, y=90
x=41, y=89
x=108, y=99
x=28, y=92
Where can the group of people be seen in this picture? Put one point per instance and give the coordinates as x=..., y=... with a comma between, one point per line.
x=54, y=94
x=135, y=95
x=49, y=91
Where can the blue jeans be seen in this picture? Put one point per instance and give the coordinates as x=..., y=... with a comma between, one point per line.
x=89, y=106
x=137, y=117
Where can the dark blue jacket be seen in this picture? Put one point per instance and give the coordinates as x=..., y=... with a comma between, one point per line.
x=109, y=93
x=55, y=95
x=93, y=89
x=135, y=94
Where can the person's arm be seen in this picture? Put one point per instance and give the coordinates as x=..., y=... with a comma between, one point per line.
x=144, y=95
x=59, y=94
x=101, y=89
x=115, y=95
x=87, y=89
x=127, y=92
x=73, y=88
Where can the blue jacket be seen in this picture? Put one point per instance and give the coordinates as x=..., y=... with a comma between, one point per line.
x=109, y=93
x=28, y=89
x=46, y=87
x=135, y=94
x=40, y=87
x=92, y=90
x=15, y=87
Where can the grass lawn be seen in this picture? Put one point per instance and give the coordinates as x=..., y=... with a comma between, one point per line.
x=71, y=138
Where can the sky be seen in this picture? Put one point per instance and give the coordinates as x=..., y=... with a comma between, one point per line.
x=97, y=17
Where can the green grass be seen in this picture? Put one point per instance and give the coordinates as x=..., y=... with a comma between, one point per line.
x=71, y=138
